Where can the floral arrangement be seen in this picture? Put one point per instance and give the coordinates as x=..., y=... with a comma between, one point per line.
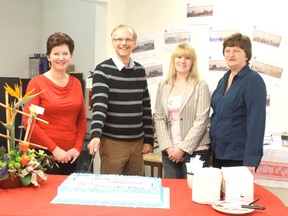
x=18, y=160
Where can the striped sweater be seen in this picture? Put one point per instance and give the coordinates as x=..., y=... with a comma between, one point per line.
x=121, y=103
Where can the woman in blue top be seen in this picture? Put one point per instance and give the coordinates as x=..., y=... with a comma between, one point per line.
x=239, y=109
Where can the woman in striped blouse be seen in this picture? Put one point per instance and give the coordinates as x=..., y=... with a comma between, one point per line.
x=182, y=114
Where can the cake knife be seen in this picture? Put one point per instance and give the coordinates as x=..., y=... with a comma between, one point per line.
x=92, y=160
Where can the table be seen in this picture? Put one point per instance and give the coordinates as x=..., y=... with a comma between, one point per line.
x=36, y=201
x=273, y=170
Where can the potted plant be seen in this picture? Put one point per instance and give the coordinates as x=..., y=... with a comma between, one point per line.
x=21, y=162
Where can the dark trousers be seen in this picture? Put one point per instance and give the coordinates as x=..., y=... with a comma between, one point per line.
x=218, y=163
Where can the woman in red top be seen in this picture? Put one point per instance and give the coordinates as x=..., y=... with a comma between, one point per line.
x=63, y=104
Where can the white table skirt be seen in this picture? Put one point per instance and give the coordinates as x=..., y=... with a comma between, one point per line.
x=273, y=169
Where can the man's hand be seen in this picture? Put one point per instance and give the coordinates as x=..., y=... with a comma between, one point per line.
x=94, y=145
x=147, y=148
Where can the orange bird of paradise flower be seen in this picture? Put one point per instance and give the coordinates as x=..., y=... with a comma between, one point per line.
x=17, y=93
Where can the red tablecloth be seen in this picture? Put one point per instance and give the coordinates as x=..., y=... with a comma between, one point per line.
x=36, y=201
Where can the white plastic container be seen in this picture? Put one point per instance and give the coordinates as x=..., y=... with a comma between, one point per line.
x=206, y=187
x=238, y=184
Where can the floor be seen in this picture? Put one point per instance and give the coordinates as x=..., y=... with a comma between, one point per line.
x=281, y=193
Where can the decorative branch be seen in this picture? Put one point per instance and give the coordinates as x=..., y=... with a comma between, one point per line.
x=23, y=113
x=18, y=140
x=7, y=117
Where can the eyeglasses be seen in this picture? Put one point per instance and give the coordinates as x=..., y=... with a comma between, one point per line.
x=120, y=40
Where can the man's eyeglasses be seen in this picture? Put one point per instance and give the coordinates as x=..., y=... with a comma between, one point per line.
x=120, y=40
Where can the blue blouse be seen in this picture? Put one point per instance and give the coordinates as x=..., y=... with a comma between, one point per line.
x=238, y=119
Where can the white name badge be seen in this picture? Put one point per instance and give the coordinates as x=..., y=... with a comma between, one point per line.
x=38, y=109
x=89, y=83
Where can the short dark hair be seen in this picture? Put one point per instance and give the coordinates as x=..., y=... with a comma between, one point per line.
x=58, y=39
x=239, y=40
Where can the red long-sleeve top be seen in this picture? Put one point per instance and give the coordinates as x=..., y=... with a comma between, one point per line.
x=64, y=110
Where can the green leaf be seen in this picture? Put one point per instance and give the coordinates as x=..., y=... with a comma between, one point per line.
x=7, y=126
x=26, y=180
x=26, y=99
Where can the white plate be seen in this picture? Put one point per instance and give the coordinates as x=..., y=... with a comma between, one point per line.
x=231, y=207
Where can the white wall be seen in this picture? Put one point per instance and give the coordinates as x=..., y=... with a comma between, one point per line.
x=21, y=34
x=115, y=15
x=26, y=25
x=77, y=19
x=151, y=18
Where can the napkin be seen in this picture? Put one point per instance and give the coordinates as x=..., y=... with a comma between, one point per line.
x=195, y=163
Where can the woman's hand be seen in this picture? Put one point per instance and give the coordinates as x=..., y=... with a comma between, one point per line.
x=73, y=154
x=175, y=154
x=60, y=155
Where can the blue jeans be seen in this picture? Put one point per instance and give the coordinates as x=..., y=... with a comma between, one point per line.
x=178, y=170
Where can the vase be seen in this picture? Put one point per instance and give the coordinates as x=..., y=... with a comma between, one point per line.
x=11, y=182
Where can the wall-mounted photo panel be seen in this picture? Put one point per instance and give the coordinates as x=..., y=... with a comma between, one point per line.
x=220, y=35
x=145, y=48
x=199, y=12
x=218, y=66
x=176, y=36
x=269, y=70
x=154, y=72
x=267, y=38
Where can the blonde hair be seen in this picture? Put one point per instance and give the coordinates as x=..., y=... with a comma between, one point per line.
x=187, y=51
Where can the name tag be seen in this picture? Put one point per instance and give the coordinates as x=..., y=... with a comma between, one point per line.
x=37, y=109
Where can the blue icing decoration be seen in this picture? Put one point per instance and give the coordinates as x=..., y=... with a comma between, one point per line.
x=115, y=185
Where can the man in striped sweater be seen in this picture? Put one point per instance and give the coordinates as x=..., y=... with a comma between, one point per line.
x=121, y=127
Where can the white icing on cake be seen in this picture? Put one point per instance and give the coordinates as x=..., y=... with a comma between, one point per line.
x=111, y=190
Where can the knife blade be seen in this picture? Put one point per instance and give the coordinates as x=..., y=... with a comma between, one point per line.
x=92, y=160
